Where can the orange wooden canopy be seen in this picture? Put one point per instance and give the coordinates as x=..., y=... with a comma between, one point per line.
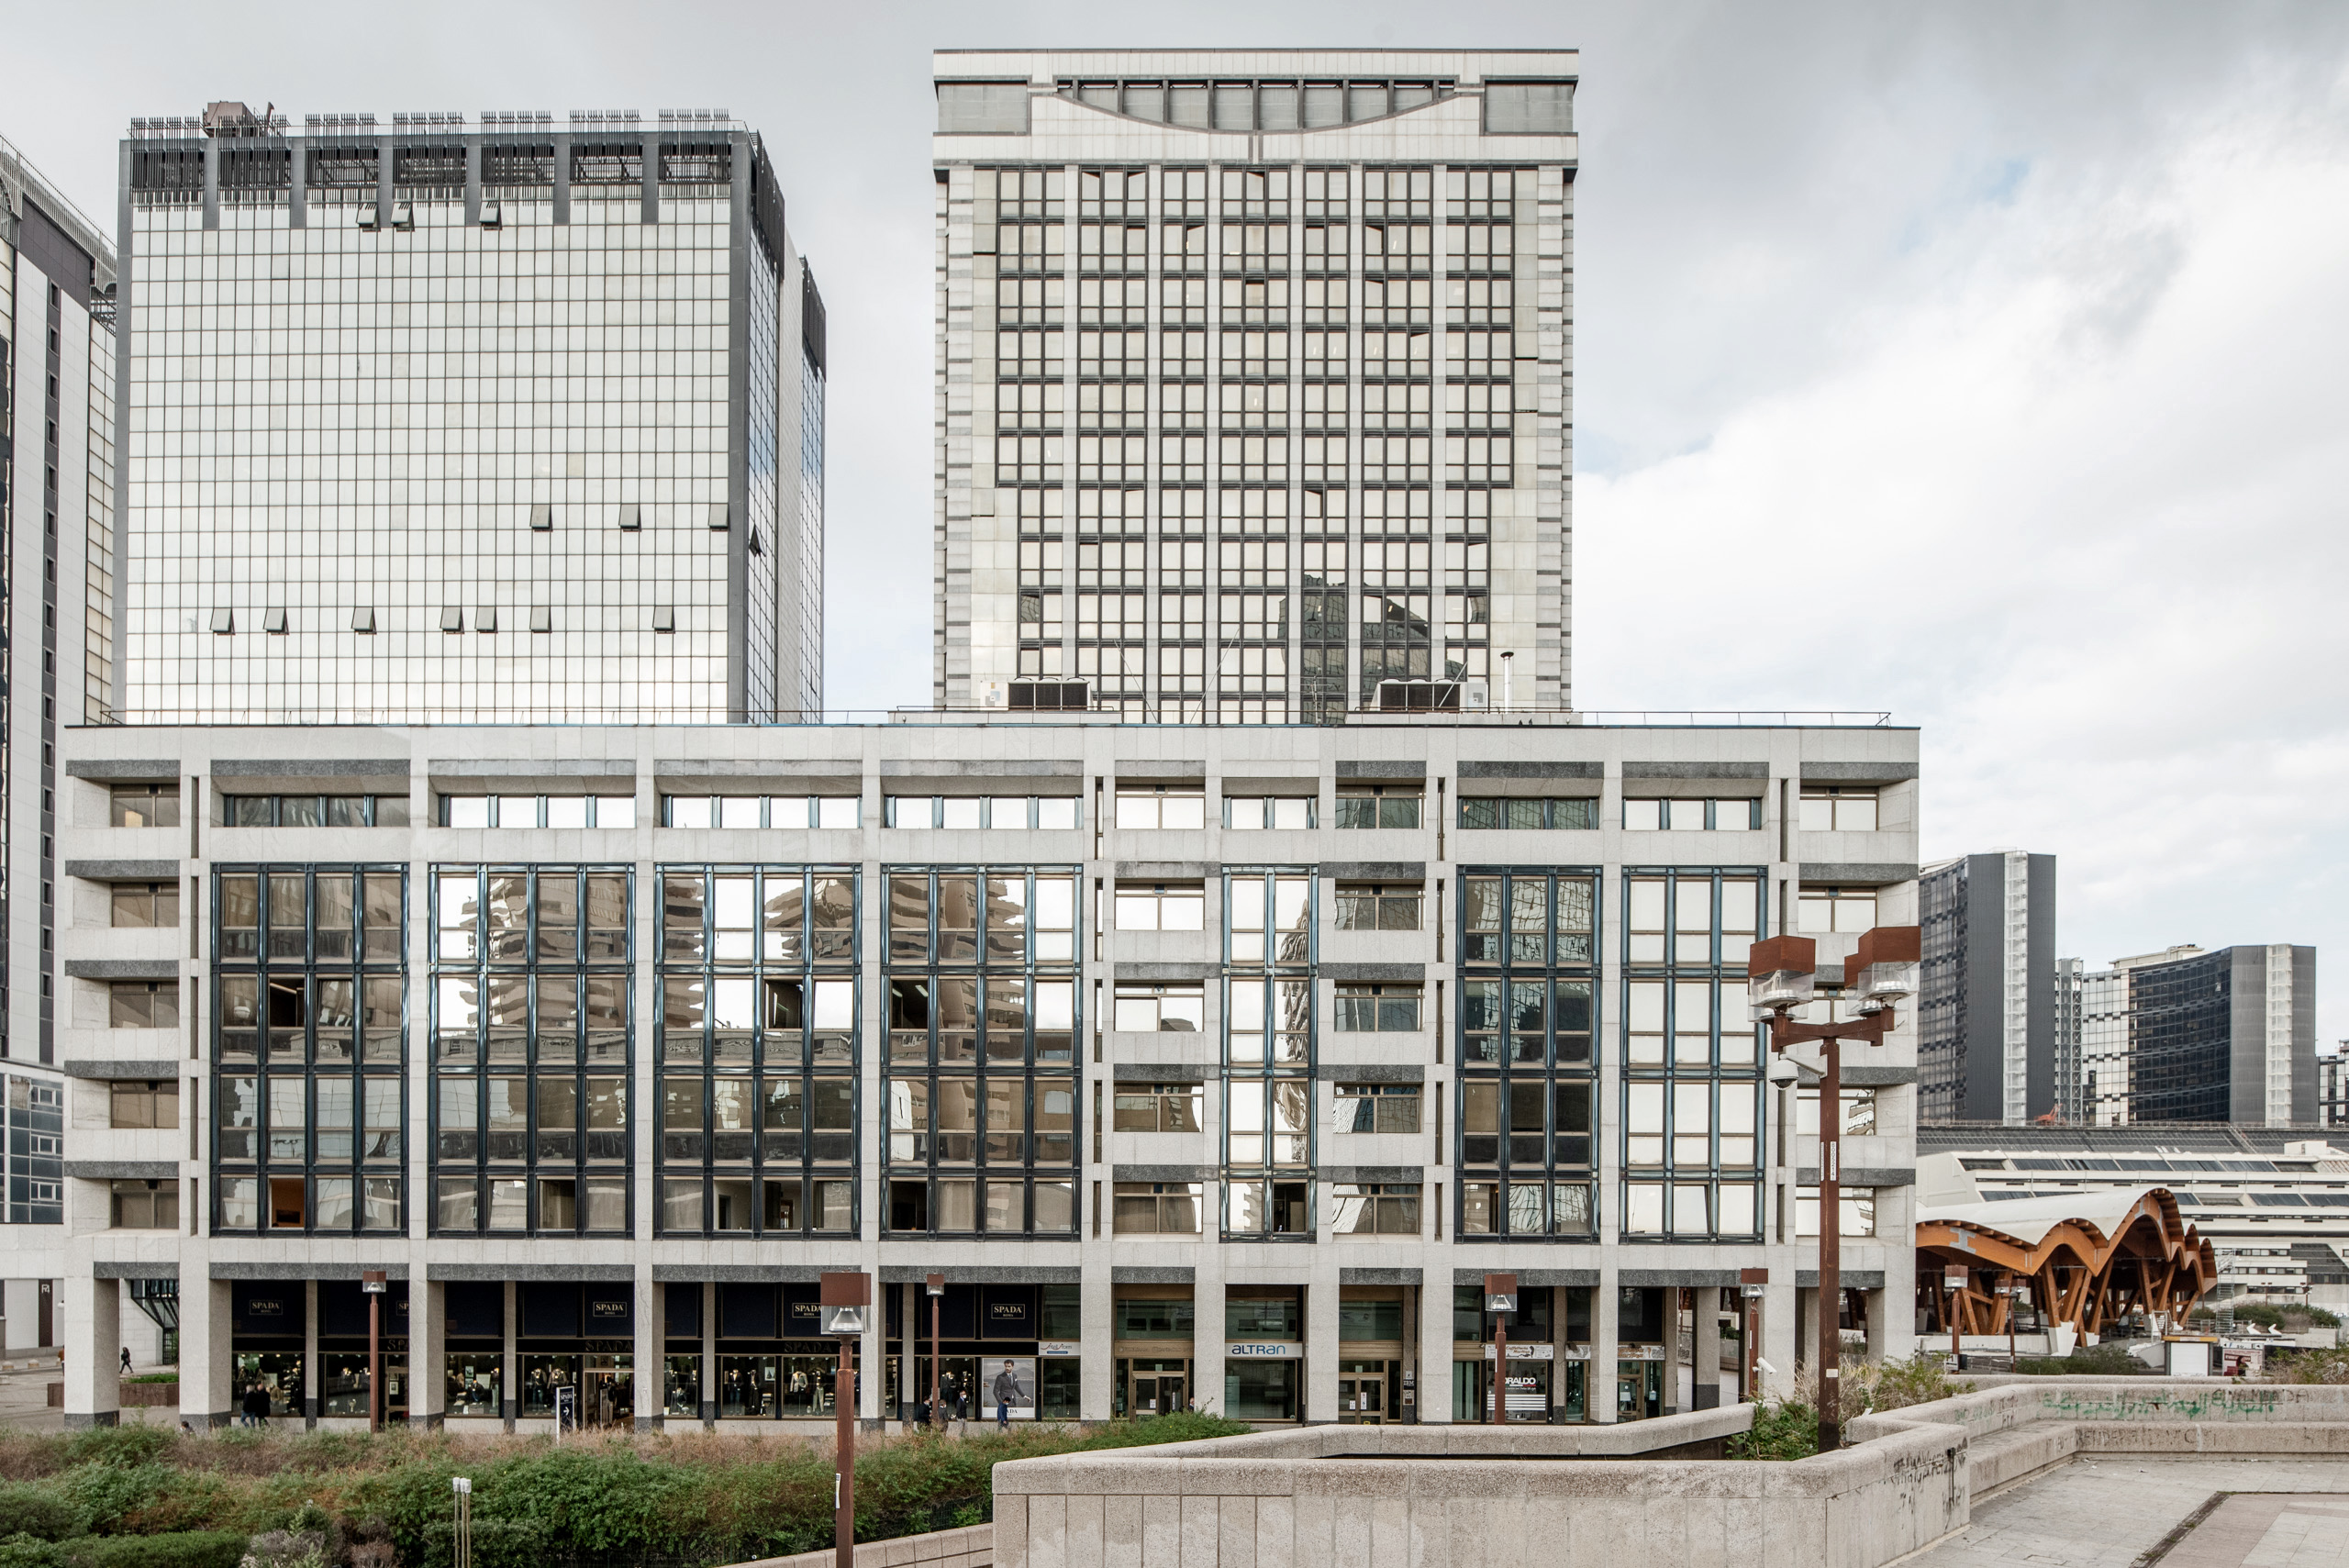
x=2089, y=1258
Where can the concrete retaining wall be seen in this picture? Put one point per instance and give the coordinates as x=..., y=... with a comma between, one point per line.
x=970, y=1547
x=1436, y=1496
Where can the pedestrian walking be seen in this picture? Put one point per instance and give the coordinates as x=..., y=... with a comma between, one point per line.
x=256, y=1407
x=1006, y=1389
x=126, y=1357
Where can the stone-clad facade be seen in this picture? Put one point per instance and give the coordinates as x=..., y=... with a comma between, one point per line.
x=604, y=1041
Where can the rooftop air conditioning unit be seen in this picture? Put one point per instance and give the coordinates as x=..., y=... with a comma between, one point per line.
x=1418, y=697
x=1049, y=696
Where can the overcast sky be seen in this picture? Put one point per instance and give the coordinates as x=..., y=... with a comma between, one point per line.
x=1985, y=364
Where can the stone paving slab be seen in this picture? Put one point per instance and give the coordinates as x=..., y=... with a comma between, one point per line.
x=2110, y=1512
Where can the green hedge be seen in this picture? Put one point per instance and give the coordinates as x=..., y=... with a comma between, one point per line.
x=607, y=1503
x=178, y=1549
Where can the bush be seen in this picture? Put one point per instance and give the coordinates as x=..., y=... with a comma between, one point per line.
x=1782, y=1430
x=181, y=1549
x=110, y=1492
x=39, y=1512
x=2309, y=1366
x=288, y=1547
x=133, y=1444
x=153, y=1377
x=30, y=1551
x=2108, y=1359
x=1919, y=1379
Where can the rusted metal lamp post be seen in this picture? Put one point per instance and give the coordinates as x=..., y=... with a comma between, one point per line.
x=844, y=1298
x=1500, y=1300
x=1780, y=973
x=374, y=1283
x=937, y=1285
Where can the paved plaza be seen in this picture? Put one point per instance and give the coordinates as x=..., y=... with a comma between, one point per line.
x=2115, y=1512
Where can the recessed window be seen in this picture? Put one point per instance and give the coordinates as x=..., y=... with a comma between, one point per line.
x=793, y=811
x=538, y=811
x=998, y=813
x=1159, y=1108
x=1156, y=1208
x=1161, y=906
x=1519, y=813
x=144, y=905
x=314, y=811
x=143, y=1004
x=1854, y=1211
x=1288, y=813
x=1839, y=808
x=150, y=1105
x=1143, y=1008
x=1382, y=1209
x=1826, y=910
x=144, y=805
x=1691, y=815
x=1378, y=1108
x=1377, y=1009
x=1377, y=907
x=1162, y=807
x=143, y=1206
x=1395, y=805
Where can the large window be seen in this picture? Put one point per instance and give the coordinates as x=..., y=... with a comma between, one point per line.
x=1268, y=1054
x=759, y=1050
x=314, y=811
x=1156, y=1208
x=143, y=806
x=532, y=1046
x=309, y=1047
x=1527, y=1071
x=1838, y=808
x=1682, y=815
x=981, y=1080
x=532, y=810
x=1692, y=1094
x=1378, y=907
x=1523, y=813
x=1378, y=1108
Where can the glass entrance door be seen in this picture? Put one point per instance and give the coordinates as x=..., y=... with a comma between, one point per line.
x=1639, y=1390
x=1156, y=1393
x=1364, y=1397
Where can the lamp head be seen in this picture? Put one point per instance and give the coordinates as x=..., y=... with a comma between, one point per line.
x=1884, y=968
x=1779, y=971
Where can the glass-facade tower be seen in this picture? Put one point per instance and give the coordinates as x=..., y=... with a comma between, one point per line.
x=456, y=420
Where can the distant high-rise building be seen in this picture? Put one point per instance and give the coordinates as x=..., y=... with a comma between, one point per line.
x=2189, y=1035
x=1254, y=380
x=57, y=470
x=1988, y=1045
x=465, y=421
x=2333, y=1088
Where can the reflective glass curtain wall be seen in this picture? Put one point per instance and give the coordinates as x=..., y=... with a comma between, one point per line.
x=1528, y=1075
x=310, y=995
x=759, y=1050
x=1692, y=1092
x=531, y=1050
x=982, y=1079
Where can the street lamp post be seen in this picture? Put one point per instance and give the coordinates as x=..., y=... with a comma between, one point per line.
x=844, y=1299
x=374, y=1283
x=1780, y=973
x=937, y=1283
x=1500, y=1300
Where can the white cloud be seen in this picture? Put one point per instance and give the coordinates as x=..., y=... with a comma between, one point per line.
x=2078, y=509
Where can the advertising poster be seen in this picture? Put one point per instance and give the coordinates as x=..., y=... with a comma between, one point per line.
x=1022, y=1372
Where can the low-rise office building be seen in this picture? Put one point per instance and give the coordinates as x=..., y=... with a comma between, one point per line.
x=2272, y=1202
x=1213, y=1063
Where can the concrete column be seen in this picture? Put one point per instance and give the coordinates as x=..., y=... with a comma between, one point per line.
x=1557, y=1354
x=1207, y=1345
x=1100, y=1367
x=650, y=1316
x=427, y=1347
x=510, y=1401
x=1878, y=1307
x=709, y=1355
x=873, y=1362
x=312, y=1387
x=909, y=1299
x=1672, y=1406
x=93, y=1336
x=1321, y=1349
x=207, y=1367
x=1604, y=1303
x=1435, y=1347
x=1705, y=1351
x=1777, y=1331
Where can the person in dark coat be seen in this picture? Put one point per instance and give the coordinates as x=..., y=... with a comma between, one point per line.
x=256, y=1407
